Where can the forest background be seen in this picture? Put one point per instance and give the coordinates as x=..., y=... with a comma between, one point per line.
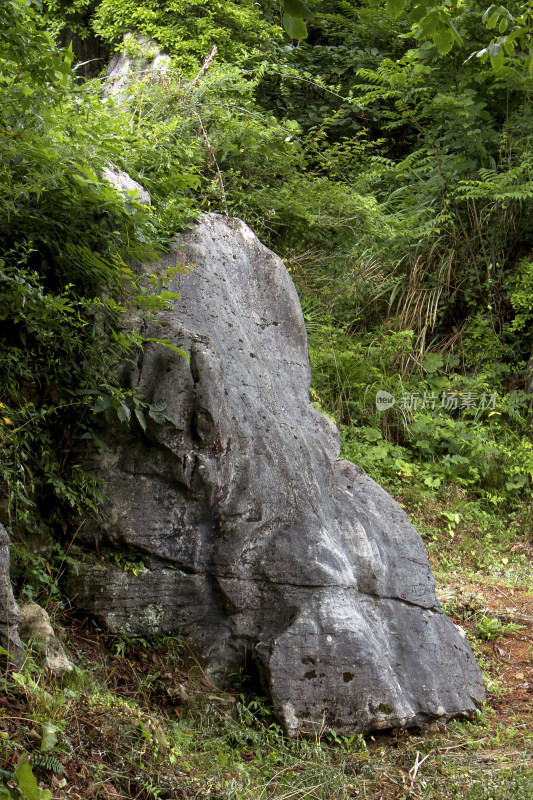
x=383, y=149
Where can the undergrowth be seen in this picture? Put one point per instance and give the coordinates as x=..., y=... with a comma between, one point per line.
x=139, y=718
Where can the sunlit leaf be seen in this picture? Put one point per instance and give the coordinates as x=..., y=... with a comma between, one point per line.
x=395, y=7
x=297, y=9
x=296, y=28
x=492, y=20
x=443, y=41
x=497, y=58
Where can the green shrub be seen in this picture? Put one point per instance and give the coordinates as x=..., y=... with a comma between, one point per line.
x=66, y=239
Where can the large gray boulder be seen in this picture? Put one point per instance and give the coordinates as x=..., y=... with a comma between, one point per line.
x=258, y=544
x=9, y=610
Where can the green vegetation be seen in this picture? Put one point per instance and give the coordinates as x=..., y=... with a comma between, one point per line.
x=65, y=234
x=141, y=719
x=385, y=150
x=396, y=188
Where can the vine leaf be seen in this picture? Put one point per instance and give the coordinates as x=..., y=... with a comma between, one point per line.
x=297, y=9
x=395, y=7
x=295, y=27
x=159, y=405
x=141, y=418
x=444, y=41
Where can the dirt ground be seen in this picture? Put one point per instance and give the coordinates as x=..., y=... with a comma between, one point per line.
x=104, y=740
x=511, y=654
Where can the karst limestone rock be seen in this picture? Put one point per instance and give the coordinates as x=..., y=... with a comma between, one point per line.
x=124, y=184
x=36, y=628
x=9, y=610
x=258, y=544
x=139, y=59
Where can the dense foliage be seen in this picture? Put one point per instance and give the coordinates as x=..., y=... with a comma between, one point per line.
x=385, y=149
x=67, y=240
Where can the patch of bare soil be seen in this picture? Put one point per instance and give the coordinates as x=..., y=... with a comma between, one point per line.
x=511, y=653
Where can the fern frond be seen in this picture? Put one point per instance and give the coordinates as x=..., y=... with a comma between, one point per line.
x=48, y=762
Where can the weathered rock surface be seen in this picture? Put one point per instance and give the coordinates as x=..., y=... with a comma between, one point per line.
x=259, y=545
x=126, y=185
x=35, y=627
x=9, y=610
x=139, y=59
